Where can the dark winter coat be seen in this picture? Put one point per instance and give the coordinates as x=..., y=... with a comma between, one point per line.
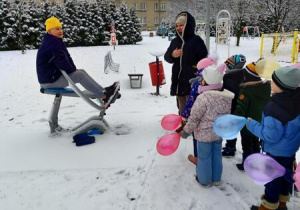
x=232, y=80
x=252, y=99
x=193, y=50
x=280, y=125
x=52, y=56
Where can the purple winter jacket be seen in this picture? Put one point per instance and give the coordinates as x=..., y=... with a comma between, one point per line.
x=51, y=57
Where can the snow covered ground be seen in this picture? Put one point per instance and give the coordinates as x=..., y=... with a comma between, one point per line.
x=122, y=170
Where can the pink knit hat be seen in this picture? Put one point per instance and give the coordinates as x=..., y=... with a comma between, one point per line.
x=211, y=59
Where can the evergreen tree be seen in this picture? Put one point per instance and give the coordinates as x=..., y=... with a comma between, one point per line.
x=106, y=17
x=31, y=26
x=9, y=28
x=123, y=25
x=97, y=24
x=4, y=10
x=136, y=27
x=115, y=20
x=70, y=23
x=84, y=29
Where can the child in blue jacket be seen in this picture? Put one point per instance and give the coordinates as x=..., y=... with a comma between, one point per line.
x=279, y=130
x=53, y=56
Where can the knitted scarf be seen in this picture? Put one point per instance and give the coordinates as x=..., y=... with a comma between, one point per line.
x=209, y=87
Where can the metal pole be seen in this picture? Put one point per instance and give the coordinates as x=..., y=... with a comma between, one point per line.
x=207, y=26
x=157, y=85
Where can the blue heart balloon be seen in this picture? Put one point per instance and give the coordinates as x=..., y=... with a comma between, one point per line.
x=228, y=126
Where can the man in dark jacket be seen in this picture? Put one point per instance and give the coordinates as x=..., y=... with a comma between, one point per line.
x=53, y=56
x=184, y=52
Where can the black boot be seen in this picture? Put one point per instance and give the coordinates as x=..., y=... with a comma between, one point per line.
x=240, y=166
x=228, y=152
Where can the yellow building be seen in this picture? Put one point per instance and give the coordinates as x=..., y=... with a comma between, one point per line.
x=150, y=12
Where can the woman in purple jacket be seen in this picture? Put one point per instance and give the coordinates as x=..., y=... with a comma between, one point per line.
x=53, y=56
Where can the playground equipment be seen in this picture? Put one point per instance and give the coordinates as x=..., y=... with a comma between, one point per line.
x=95, y=122
x=223, y=29
x=200, y=30
x=254, y=32
x=109, y=64
x=282, y=47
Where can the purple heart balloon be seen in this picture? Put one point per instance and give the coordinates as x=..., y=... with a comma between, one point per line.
x=262, y=168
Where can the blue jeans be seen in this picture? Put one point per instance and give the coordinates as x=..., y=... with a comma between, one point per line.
x=209, y=166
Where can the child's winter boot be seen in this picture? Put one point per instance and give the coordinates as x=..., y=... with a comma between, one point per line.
x=266, y=205
x=193, y=159
x=283, y=199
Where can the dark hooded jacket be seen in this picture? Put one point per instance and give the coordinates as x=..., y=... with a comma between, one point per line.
x=51, y=57
x=184, y=67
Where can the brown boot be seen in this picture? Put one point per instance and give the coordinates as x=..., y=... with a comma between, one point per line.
x=282, y=206
x=193, y=159
x=261, y=207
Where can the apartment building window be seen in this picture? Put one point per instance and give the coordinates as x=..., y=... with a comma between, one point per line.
x=135, y=6
x=156, y=7
x=143, y=6
x=163, y=7
x=143, y=20
x=156, y=20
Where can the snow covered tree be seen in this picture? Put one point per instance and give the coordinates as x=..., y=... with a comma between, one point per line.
x=106, y=17
x=124, y=25
x=8, y=25
x=31, y=27
x=4, y=25
x=135, y=35
x=71, y=23
x=96, y=24
x=240, y=15
x=115, y=20
x=276, y=15
x=84, y=28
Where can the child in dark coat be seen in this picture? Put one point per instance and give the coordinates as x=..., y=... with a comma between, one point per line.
x=279, y=131
x=232, y=79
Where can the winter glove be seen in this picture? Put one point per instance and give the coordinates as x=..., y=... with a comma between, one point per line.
x=196, y=79
x=184, y=134
x=180, y=128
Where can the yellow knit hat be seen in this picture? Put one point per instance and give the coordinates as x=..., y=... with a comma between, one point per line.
x=52, y=22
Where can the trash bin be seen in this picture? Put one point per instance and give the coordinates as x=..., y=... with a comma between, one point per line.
x=153, y=73
x=151, y=34
x=135, y=80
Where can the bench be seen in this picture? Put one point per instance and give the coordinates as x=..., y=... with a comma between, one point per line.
x=109, y=64
x=94, y=122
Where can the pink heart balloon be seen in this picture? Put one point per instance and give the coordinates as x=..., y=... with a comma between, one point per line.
x=168, y=144
x=170, y=122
